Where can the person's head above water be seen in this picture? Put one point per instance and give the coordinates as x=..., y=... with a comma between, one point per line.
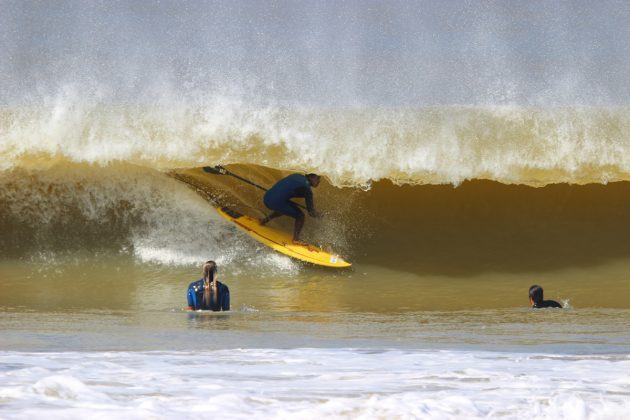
x=535, y=295
x=536, y=299
x=313, y=179
x=209, y=271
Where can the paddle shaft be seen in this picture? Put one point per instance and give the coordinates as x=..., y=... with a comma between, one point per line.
x=220, y=170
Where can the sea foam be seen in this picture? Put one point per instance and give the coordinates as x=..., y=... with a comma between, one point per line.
x=307, y=383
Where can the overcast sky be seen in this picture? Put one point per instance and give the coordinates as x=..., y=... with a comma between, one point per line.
x=356, y=53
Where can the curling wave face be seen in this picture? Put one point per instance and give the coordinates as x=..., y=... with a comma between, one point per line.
x=407, y=189
x=167, y=217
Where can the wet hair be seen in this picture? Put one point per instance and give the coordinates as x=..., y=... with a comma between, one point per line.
x=536, y=293
x=209, y=274
x=312, y=175
x=209, y=270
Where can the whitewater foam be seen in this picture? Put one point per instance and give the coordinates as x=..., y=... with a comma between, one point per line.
x=306, y=383
x=534, y=146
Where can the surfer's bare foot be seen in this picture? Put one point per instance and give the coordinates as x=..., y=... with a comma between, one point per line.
x=300, y=242
x=262, y=222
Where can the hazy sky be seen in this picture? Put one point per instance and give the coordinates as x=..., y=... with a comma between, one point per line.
x=358, y=53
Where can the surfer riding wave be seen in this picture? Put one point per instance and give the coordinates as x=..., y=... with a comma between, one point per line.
x=278, y=199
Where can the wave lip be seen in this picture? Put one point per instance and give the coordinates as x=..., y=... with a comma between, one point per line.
x=352, y=147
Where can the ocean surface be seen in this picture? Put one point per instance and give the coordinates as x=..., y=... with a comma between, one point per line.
x=468, y=151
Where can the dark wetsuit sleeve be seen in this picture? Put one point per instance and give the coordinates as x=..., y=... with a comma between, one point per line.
x=307, y=193
x=547, y=304
x=310, y=206
x=552, y=304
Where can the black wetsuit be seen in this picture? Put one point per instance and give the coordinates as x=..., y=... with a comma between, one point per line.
x=547, y=304
x=278, y=198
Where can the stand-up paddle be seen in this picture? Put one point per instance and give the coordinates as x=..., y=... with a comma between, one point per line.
x=220, y=170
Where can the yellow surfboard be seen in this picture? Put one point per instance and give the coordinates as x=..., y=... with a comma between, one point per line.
x=282, y=241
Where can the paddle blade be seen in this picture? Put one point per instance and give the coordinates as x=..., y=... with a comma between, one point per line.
x=217, y=170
